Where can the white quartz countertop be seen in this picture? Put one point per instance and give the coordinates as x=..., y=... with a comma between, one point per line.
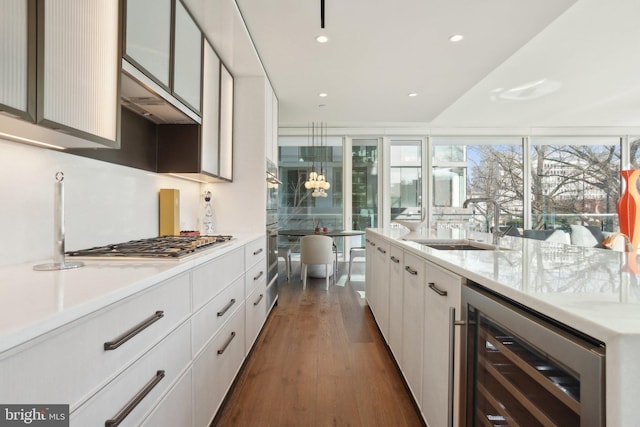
x=35, y=302
x=595, y=291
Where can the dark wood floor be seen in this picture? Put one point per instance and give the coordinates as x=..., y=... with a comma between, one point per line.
x=319, y=361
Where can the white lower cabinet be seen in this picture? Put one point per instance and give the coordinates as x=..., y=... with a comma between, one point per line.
x=148, y=378
x=72, y=363
x=175, y=409
x=380, y=272
x=442, y=310
x=396, y=295
x=369, y=282
x=413, y=323
x=424, y=302
x=377, y=282
x=163, y=357
x=216, y=367
x=256, y=313
x=207, y=321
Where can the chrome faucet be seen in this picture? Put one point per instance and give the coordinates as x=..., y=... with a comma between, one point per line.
x=497, y=234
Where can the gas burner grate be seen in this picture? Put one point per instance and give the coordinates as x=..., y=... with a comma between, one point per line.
x=156, y=247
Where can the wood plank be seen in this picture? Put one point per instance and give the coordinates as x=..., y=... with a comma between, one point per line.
x=319, y=361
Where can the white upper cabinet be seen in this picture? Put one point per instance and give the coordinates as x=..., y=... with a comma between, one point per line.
x=271, y=123
x=15, y=21
x=60, y=69
x=210, y=112
x=148, y=37
x=226, y=124
x=79, y=68
x=187, y=58
x=164, y=44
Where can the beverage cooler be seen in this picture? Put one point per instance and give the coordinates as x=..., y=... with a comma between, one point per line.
x=524, y=370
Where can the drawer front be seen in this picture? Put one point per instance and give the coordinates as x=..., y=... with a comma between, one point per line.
x=256, y=313
x=216, y=367
x=255, y=251
x=175, y=409
x=443, y=285
x=70, y=364
x=255, y=277
x=216, y=313
x=155, y=372
x=211, y=278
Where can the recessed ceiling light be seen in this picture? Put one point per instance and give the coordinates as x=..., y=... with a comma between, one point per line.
x=322, y=39
x=323, y=95
x=456, y=38
x=413, y=94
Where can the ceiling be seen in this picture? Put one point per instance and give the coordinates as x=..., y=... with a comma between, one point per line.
x=522, y=63
x=379, y=51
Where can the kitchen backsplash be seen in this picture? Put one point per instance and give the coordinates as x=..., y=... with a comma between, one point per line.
x=104, y=203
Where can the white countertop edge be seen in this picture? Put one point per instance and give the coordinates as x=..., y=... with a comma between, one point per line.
x=583, y=324
x=18, y=334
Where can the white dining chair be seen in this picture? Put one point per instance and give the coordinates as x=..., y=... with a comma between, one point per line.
x=356, y=253
x=316, y=250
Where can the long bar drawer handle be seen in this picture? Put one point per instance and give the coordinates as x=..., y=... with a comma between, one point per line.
x=226, y=307
x=113, y=344
x=259, y=275
x=411, y=270
x=258, y=251
x=224, y=347
x=371, y=243
x=382, y=250
x=259, y=299
x=437, y=290
x=135, y=401
x=394, y=259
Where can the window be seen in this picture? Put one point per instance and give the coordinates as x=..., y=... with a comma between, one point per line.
x=575, y=181
x=364, y=183
x=297, y=208
x=406, y=179
x=466, y=167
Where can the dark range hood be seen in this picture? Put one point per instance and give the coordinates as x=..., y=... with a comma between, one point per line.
x=146, y=98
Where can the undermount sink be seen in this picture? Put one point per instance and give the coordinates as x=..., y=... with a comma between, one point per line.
x=456, y=245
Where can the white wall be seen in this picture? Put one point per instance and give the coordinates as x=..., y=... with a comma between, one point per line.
x=104, y=203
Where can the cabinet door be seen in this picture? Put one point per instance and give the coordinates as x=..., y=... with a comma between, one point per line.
x=175, y=408
x=413, y=323
x=396, y=293
x=216, y=367
x=256, y=313
x=369, y=280
x=210, y=161
x=187, y=58
x=79, y=68
x=442, y=293
x=226, y=123
x=148, y=37
x=17, y=58
x=381, y=286
x=274, y=127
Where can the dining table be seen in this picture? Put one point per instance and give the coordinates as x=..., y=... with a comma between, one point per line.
x=317, y=272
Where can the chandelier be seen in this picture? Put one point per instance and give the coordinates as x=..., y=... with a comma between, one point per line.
x=317, y=181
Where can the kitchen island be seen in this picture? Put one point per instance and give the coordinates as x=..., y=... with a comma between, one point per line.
x=593, y=291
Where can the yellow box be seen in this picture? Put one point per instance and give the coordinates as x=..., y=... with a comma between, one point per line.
x=169, y=212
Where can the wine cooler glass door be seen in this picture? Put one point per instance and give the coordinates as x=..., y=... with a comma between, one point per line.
x=525, y=372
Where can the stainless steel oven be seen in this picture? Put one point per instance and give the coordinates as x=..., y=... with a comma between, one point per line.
x=527, y=370
x=272, y=234
x=272, y=248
